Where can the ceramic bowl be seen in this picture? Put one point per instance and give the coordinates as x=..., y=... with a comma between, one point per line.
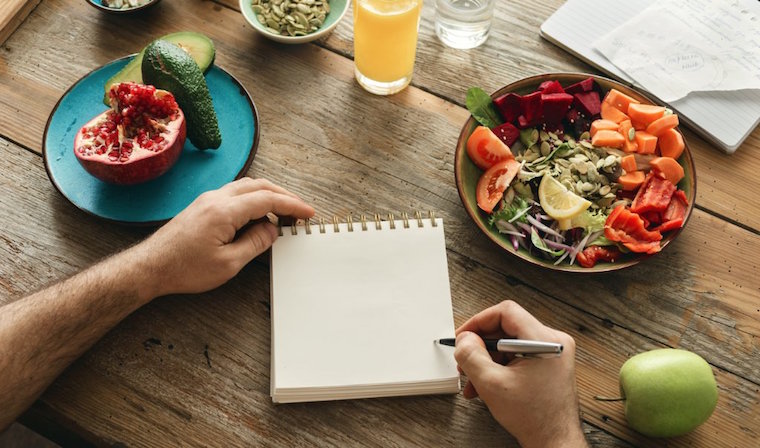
x=99, y=4
x=338, y=9
x=467, y=175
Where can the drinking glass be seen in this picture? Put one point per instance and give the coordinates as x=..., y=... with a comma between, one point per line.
x=385, y=41
x=463, y=24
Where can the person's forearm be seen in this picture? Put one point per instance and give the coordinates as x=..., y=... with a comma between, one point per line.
x=42, y=334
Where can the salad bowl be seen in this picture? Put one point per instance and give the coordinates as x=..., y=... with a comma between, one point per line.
x=467, y=175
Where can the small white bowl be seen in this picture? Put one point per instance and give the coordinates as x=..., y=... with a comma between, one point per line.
x=338, y=9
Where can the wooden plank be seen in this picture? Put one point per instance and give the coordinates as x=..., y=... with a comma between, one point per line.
x=196, y=368
x=514, y=50
x=12, y=13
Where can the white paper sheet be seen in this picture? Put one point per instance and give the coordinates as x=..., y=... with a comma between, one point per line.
x=354, y=314
x=675, y=47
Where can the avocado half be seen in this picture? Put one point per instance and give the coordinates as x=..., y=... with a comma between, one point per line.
x=197, y=45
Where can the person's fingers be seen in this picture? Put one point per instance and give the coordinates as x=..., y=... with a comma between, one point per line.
x=472, y=357
x=248, y=184
x=469, y=392
x=251, y=243
x=251, y=206
x=507, y=317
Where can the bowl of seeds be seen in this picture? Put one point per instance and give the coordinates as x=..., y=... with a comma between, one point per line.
x=294, y=21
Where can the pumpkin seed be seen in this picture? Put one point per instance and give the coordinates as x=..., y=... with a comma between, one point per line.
x=291, y=17
x=545, y=148
x=604, y=190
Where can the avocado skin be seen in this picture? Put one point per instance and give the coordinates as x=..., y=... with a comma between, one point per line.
x=198, y=45
x=168, y=67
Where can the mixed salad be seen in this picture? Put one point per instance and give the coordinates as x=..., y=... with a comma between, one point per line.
x=573, y=174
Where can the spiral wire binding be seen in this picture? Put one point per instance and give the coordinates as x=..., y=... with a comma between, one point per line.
x=363, y=220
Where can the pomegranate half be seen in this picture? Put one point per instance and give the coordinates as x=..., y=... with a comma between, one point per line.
x=137, y=140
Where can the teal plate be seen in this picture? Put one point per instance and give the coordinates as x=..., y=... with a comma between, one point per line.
x=160, y=199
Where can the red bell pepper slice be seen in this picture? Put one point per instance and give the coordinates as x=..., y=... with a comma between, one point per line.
x=677, y=206
x=675, y=215
x=627, y=227
x=649, y=248
x=653, y=195
x=590, y=255
x=669, y=225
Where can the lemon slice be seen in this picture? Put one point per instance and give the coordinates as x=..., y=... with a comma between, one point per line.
x=559, y=202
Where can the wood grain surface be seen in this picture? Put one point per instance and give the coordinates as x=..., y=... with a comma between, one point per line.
x=12, y=13
x=194, y=370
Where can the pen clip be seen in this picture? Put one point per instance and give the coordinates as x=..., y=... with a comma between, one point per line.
x=537, y=355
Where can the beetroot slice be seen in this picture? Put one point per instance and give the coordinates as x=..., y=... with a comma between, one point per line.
x=577, y=121
x=555, y=106
x=507, y=132
x=588, y=103
x=550, y=87
x=532, y=107
x=587, y=85
x=557, y=128
x=510, y=106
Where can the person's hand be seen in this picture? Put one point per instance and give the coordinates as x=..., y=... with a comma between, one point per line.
x=202, y=248
x=534, y=399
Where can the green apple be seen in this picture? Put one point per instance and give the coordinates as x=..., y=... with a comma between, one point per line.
x=668, y=392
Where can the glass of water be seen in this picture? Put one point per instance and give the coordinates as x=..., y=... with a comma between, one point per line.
x=463, y=23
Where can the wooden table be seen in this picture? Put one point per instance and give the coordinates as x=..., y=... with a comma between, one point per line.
x=194, y=370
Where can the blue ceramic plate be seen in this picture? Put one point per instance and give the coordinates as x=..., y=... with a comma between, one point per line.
x=160, y=199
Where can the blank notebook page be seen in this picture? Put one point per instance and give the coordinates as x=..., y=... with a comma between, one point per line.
x=354, y=314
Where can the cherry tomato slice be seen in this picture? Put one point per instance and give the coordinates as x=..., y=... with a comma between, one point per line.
x=493, y=182
x=486, y=149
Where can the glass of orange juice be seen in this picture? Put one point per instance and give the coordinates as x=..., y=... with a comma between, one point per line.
x=385, y=40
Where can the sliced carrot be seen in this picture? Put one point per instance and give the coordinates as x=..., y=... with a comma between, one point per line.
x=647, y=142
x=619, y=100
x=645, y=113
x=631, y=181
x=630, y=146
x=628, y=163
x=639, y=126
x=668, y=168
x=626, y=129
x=661, y=125
x=610, y=139
x=612, y=113
x=671, y=144
x=598, y=125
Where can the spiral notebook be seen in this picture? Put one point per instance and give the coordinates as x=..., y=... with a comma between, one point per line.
x=356, y=306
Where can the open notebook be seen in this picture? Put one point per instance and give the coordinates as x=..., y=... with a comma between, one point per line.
x=355, y=310
x=724, y=118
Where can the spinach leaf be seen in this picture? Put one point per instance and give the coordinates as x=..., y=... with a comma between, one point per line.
x=481, y=107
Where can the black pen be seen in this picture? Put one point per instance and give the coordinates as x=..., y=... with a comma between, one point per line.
x=516, y=346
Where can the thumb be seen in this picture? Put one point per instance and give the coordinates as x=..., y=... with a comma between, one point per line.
x=253, y=241
x=472, y=356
